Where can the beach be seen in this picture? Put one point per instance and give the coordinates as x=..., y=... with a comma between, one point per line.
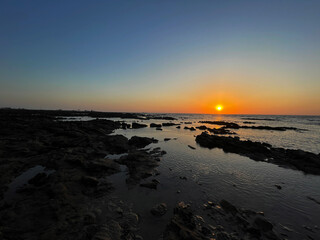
x=95, y=175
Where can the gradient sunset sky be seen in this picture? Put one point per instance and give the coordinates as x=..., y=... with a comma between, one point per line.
x=252, y=57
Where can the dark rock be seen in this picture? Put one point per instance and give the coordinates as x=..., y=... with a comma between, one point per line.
x=223, y=236
x=236, y=126
x=155, y=125
x=104, y=165
x=191, y=147
x=138, y=125
x=159, y=128
x=178, y=127
x=90, y=181
x=190, y=128
x=263, y=224
x=202, y=127
x=223, y=123
x=151, y=185
x=167, y=139
x=116, y=143
x=140, y=164
x=39, y=179
x=183, y=225
x=296, y=159
x=228, y=207
x=278, y=186
x=141, y=142
x=168, y=124
x=159, y=209
x=89, y=218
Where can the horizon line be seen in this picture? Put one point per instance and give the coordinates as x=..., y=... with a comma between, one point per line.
x=79, y=110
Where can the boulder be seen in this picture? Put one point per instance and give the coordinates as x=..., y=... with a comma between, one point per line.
x=159, y=209
x=141, y=142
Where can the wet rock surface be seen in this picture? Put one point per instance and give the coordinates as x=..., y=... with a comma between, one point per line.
x=141, y=164
x=74, y=199
x=159, y=210
x=295, y=159
x=225, y=221
x=141, y=142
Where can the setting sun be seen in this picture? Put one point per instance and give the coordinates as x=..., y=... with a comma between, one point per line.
x=219, y=108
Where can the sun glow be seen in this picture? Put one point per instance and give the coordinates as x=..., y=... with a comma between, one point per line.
x=219, y=108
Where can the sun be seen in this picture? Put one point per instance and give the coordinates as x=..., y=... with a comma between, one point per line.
x=219, y=108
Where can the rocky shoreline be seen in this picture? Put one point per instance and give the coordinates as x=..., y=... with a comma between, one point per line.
x=296, y=159
x=54, y=180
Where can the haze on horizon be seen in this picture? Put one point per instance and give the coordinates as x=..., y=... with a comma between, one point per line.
x=251, y=57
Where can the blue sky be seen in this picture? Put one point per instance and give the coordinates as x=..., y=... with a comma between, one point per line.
x=161, y=56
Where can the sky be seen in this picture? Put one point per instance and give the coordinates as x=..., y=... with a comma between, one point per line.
x=251, y=57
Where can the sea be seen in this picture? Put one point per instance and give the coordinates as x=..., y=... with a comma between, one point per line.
x=198, y=175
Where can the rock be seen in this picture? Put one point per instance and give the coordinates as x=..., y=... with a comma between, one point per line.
x=141, y=142
x=178, y=127
x=38, y=180
x=90, y=181
x=202, y=127
x=296, y=159
x=184, y=224
x=119, y=210
x=278, y=186
x=159, y=128
x=190, y=128
x=228, y=207
x=116, y=143
x=138, y=125
x=169, y=124
x=223, y=236
x=183, y=178
x=191, y=147
x=167, y=139
x=263, y=224
x=154, y=125
x=110, y=231
x=159, y=209
x=151, y=185
x=140, y=164
x=103, y=165
x=131, y=219
x=89, y=218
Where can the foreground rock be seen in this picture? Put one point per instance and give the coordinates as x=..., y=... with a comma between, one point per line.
x=65, y=202
x=295, y=159
x=159, y=209
x=141, y=164
x=141, y=142
x=229, y=223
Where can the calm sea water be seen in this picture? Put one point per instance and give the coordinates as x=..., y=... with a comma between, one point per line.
x=214, y=175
